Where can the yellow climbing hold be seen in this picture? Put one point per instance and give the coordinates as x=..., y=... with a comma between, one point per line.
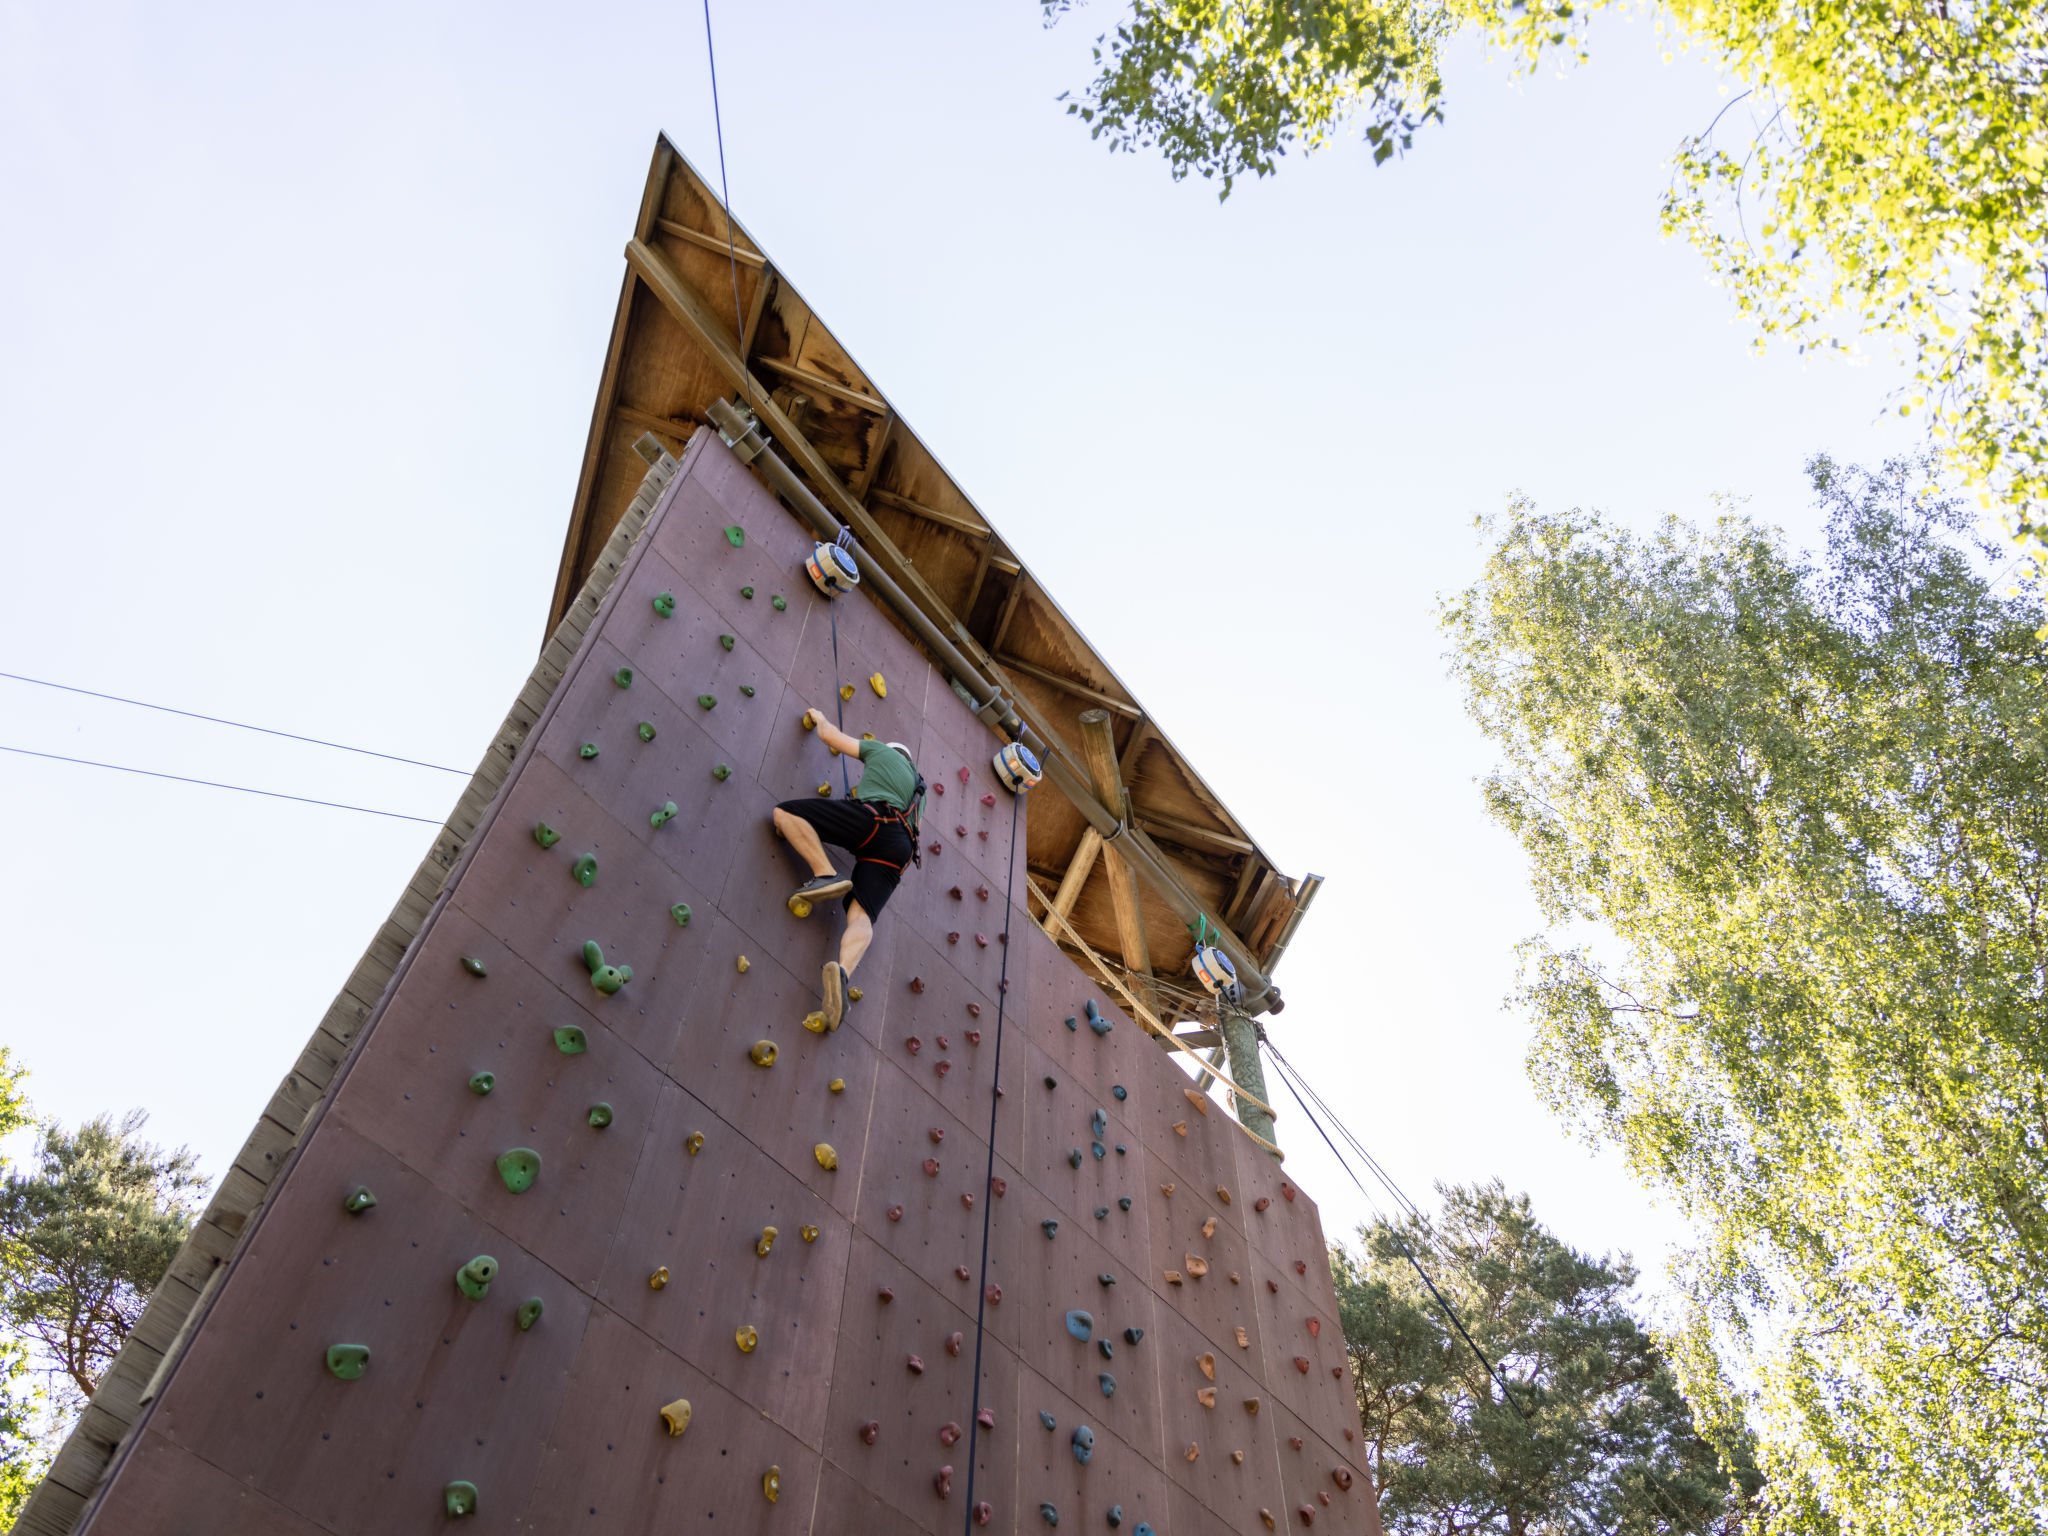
x=746, y=1338
x=880, y=685
x=771, y=1484
x=677, y=1416
x=846, y=690
x=810, y=721
x=815, y=1022
x=827, y=1158
x=825, y=790
x=853, y=994
x=768, y=1236
x=808, y=1233
x=658, y=1279
x=763, y=1053
x=1180, y=1127
x=837, y=1085
x=745, y=965
x=694, y=1143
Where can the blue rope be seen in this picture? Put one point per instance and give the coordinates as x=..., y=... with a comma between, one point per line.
x=838, y=698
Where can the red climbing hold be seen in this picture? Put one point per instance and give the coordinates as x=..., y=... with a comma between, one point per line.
x=994, y=1293
x=960, y=1272
x=967, y=1200
x=981, y=893
x=937, y=848
x=1315, y=1327
x=885, y=1295
x=974, y=1010
x=913, y=1045
x=954, y=1342
x=1273, y=1286
x=1301, y=1364
x=1324, y=1499
x=917, y=984
x=914, y=1365
x=1307, y=1513
x=954, y=893
x=1342, y=1477
x=1287, y=1191
x=986, y=1418
x=938, y=788
x=943, y=1481
x=943, y=1043
x=998, y=1186
x=894, y=1213
x=982, y=834
x=1262, y=1202
x=960, y=831
x=981, y=940
x=1301, y=1266
x=1295, y=1441
x=984, y=1512
x=1350, y=1434
x=963, y=775
x=871, y=1431
x=974, y=1037
x=949, y=1433
x=937, y=1134
x=942, y=1067
x=952, y=938
x=931, y=1167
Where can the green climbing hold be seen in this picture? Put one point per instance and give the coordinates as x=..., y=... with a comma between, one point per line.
x=587, y=751
x=519, y=1168
x=600, y=1116
x=707, y=701
x=585, y=870
x=721, y=773
x=570, y=1040
x=646, y=730
x=746, y=690
x=778, y=603
x=606, y=978
x=348, y=1361
x=727, y=641
x=483, y=1083
x=681, y=913
x=747, y=593
x=474, y=1278
x=735, y=535
x=529, y=1313
x=545, y=835
x=360, y=1200
x=474, y=966
x=665, y=604
x=667, y=810
x=460, y=1498
x=623, y=677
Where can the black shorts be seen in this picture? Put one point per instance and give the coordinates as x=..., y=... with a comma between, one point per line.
x=876, y=837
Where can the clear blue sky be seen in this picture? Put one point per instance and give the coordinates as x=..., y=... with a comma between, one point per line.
x=301, y=311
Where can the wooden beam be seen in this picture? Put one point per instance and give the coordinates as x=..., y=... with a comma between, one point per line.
x=646, y=420
x=1245, y=877
x=981, y=565
x=1079, y=867
x=951, y=520
x=764, y=290
x=1098, y=751
x=1141, y=733
x=1186, y=831
x=825, y=386
x=862, y=482
x=995, y=639
x=738, y=252
x=686, y=305
x=576, y=540
x=1079, y=690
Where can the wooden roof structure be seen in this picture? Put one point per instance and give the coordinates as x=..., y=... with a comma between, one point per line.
x=679, y=343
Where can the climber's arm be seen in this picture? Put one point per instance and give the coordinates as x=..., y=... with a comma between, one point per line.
x=833, y=737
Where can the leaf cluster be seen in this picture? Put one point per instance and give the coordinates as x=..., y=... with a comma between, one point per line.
x=1805, y=799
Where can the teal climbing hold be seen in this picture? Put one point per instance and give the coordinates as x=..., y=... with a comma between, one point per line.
x=1073, y=1023
x=570, y=1040
x=623, y=677
x=474, y=1278
x=1051, y=1081
x=348, y=1361
x=1084, y=1444
x=646, y=730
x=545, y=835
x=1116, y=1516
x=1132, y=1335
x=665, y=604
x=1105, y=1278
x=459, y=1498
x=606, y=978
x=600, y=1116
x=1108, y=1384
x=1074, y=1158
x=1047, y=1419
x=1108, y=1349
x=1099, y=1150
x=721, y=773
x=474, y=966
x=1098, y=1122
x=359, y=1200
x=667, y=811
x=1123, y=1202
x=529, y=1313
x=778, y=603
x=746, y=690
x=483, y=1083
x=735, y=535
x=1051, y=1226
x=585, y=870
x=681, y=913
x=519, y=1168
x=1144, y=1529
x=747, y=593
x=1102, y=1213
x=1049, y=1514
x=707, y=701
x=1119, y=1092
x=727, y=641
x=1119, y=1149
x=1096, y=1021
x=1080, y=1325
x=587, y=750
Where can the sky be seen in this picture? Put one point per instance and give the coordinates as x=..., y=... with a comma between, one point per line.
x=301, y=315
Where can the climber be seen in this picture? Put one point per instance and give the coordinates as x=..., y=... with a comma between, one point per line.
x=877, y=824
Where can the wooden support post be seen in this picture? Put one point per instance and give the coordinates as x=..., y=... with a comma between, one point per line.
x=1241, y=1040
x=1079, y=867
x=1098, y=751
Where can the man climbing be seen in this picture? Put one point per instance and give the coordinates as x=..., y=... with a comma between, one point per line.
x=876, y=824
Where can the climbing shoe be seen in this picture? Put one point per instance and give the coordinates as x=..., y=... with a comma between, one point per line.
x=835, y=993
x=823, y=888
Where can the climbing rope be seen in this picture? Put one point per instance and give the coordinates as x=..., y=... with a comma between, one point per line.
x=739, y=320
x=988, y=1204
x=839, y=699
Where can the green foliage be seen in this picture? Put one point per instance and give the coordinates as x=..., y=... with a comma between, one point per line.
x=1590, y=1434
x=25, y=1446
x=1890, y=178
x=90, y=1226
x=1806, y=799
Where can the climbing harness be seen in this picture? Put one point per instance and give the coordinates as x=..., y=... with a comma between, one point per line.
x=988, y=1205
x=1017, y=768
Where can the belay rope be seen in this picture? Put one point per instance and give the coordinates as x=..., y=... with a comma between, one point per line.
x=838, y=698
x=988, y=1203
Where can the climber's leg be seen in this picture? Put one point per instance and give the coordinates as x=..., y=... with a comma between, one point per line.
x=799, y=822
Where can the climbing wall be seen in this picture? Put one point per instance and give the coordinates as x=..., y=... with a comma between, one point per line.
x=557, y=1258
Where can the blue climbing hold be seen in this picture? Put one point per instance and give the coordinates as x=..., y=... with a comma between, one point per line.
x=1074, y=1158
x=1098, y=1122
x=1119, y=1092
x=1096, y=1021
x=1073, y=1024
x=1046, y=1419
x=1051, y=1226
x=1108, y=1384
x=1132, y=1335
x=1143, y=1529
x=1081, y=1325
x=1119, y=1149
x=1048, y=1514
x=1099, y=1150
x=1108, y=1349
x=1084, y=1444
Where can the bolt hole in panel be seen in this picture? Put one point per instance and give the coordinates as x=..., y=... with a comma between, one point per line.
x=1237, y=1491
x=559, y=1426
x=872, y=1382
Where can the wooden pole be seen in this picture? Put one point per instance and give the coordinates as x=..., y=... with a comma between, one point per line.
x=1098, y=751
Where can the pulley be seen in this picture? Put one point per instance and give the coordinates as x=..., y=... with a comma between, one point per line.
x=1017, y=768
x=1213, y=969
x=832, y=570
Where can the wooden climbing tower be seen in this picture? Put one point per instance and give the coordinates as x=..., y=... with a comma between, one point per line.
x=525, y=1244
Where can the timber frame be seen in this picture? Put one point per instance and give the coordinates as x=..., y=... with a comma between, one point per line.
x=678, y=345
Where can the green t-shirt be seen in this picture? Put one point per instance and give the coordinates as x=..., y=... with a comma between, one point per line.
x=886, y=776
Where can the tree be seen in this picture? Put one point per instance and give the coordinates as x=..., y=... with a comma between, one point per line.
x=1582, y=1431
x=90, y=1227
x=24, y=1454
x=1889, y=178
x=1793, y=812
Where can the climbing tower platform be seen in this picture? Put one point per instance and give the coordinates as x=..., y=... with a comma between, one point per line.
x=573, y=1217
